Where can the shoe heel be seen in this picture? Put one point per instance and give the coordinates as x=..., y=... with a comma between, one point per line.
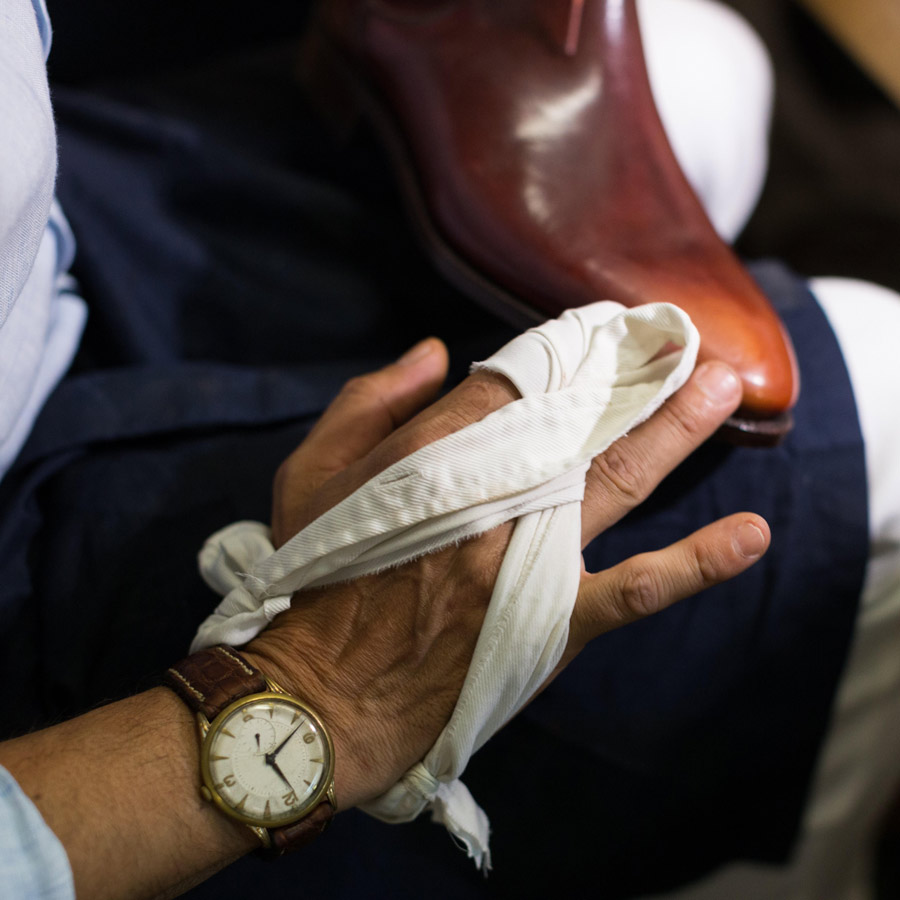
x=328, y=85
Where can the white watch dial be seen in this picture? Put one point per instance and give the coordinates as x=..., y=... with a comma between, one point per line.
x=267, y=760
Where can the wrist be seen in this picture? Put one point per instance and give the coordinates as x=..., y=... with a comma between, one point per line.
x=122, y=781
x=266, y=757
x=306, y=668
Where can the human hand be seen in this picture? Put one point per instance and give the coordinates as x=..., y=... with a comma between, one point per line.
x=383, y=657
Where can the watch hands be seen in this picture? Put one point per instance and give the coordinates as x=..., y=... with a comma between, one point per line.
x=270, y=757
x=270, y=760
x=257, y=742
x=278, y=749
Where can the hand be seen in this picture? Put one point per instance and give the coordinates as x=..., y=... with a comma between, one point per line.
x=383, y=657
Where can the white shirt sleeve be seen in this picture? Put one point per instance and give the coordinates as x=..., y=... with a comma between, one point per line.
x=41, y=317
x=33, y=863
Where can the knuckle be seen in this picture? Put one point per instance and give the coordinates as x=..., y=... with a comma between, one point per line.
x=469, y=402
x=687, y=419
x=399, y=446
x=368, y=394
x=479, y=396
x=640, y=593
x=390, y=452
x=622, y=472
x=409, y=439
x=474, y=399
x=360, y=387
x=706, y=565
x=450, y=420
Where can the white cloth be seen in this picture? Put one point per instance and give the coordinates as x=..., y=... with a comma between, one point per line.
x=39, y=338
x=585, y=379
x=28, y=148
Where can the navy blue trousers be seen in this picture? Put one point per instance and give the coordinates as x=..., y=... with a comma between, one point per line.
x=239, y=266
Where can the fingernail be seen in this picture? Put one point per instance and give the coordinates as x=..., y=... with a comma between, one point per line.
x=416, y=352
x=749, y=541
x=718, y=382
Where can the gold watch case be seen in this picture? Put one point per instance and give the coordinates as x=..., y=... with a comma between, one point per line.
x=266, y=760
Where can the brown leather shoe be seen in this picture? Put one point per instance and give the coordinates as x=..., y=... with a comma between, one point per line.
x=540, y=174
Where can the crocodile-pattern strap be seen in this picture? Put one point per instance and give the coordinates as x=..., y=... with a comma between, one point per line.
x=211, y=679
x=292, y=837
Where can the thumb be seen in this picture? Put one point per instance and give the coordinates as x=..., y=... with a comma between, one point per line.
x=369, y=407
x=367, y=410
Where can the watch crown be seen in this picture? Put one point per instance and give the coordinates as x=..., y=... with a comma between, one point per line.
x=205, y=793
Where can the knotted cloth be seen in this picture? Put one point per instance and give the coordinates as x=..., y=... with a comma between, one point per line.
x=585, y=379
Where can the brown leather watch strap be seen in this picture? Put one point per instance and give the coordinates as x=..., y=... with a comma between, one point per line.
x=211, y=679
x=292, y=837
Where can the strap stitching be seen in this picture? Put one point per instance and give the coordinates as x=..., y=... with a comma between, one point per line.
x=188, y=685
x=237, y=659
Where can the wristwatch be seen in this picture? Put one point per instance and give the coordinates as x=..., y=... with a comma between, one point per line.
x=266, y=758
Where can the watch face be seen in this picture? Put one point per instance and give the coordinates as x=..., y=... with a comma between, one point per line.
x=267, y=760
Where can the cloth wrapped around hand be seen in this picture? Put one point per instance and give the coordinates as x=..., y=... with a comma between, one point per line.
x=586, y=379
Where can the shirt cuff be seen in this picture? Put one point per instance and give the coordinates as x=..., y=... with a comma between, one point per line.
x=33, y=862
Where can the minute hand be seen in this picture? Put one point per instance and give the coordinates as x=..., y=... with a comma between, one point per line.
x=278, y=749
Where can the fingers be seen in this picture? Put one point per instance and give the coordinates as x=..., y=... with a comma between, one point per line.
x=371, y=406
x=650, y=582
x=625, y=474
x=368, y=409
x=470, y=401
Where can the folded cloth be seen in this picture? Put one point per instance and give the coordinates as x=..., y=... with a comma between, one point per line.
x=585, y=380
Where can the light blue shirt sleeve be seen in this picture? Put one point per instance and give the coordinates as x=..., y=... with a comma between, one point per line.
x=33, y=863
x=41, y=316
x=43, y=23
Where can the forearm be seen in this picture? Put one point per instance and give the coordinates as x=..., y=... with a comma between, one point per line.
x=122, y=783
